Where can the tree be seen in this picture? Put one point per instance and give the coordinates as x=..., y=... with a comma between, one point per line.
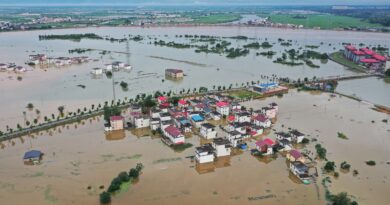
x=61, y=110
x=30, y=106
x=110, y=111
x=139, y=167
x=387, y=73
x=133, y=173
x=329, y=166
x=345, y=165
x=124, y=177
x=342, y=199
x=105, y=198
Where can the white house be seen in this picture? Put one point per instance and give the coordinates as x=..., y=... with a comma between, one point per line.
x=283, y=135
x=300, y=170
x=174, y=134
x=234, y=138
x=256, y=130
x=154, y=123
x=97, y=71
x=297, y=136
x=155, y=113
x=204, y=154
x=285, y=145
x=262, y=120
x=215, y=115
x=242, y=117
x=223, y=108
x=141, y=122
x=270, y=112
x=127, y=67
x=208, y=131
x=164, y=116
x=222, y=147
x=108, y=67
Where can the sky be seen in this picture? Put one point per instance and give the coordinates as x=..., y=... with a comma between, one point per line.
x=194, y=2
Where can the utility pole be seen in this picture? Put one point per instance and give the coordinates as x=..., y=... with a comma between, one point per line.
x=113, y=86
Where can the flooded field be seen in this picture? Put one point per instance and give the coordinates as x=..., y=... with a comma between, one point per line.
x=81, y=156
x=54, y=87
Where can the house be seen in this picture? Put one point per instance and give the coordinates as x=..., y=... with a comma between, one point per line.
x=284, y=145
x=174, y=134
x=208, y=131
x=222, y=147
x=235, y=138
x=215, y=115
x=297, y=136
x=162, y=99
x=265, y=146
x=242, y=117
x=154, y=123
x=174, y=73
x=33, y=156
x=141, y=122
x=283, y=135
x=108, y=67
x=236, y=107
x=270, y=112
x=294, y=156
x=239, y=127
x=256, y=130
x=262, y=120
x=197, y=120
x=116, y=122
x=222, y=108
x=300, y=170
x=204, y=154
x=182, y=103
x=20, y=69
x=155, y=113
x=184, y=124
x=164, y=116
x=97, y=71
x=127, y=67
x=135, y=108
x=199, y=107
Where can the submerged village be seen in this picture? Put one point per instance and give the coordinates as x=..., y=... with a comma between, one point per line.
x=273, y=134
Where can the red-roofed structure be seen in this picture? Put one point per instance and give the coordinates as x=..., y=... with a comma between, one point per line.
x=115, y=118
x=174, y=134
x=222, y=104
x=379, y=57
x=350, y=48
x=369, y=60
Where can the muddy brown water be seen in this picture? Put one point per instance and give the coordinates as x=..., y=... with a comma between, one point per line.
x=76, y=158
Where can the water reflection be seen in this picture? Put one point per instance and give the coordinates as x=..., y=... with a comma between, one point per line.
x=115, y=135
x=220, y=162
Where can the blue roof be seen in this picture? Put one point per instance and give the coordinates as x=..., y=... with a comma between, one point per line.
x=206, y=109
x=32, y=154
x=197, y=118
x=183, y=122
x=267, y=85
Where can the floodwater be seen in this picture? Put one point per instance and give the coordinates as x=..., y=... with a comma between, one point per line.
x=49, y=89
x=76, y=158
x=369, y=89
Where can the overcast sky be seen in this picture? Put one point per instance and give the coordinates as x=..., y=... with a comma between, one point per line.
x=199, y=2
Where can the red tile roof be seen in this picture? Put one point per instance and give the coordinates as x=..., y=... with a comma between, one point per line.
x=350, y=47
x=182, y=102
x=369, y=60
x=295, y=153
x=231, y=118
x=379, y=57
x=174, y=71
x=359, y=53
x=116, y=118
x=368, y=51
x=162, y=98
x=261, y=118
x=266, y=141
x=222, y=104
x=173, y=131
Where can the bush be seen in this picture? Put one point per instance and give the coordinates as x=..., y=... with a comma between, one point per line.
x=371, y=163
x=329, y=166
x=345, y=165
x=133, y=173
x=321, y=152
x=124, y=177
x=305, y=141
x=342, y=199
x=105, y=198
x=342, y=136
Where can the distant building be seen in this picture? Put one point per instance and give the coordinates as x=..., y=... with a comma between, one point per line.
x=33, y=156
x=116, y=122
x=365, y=57
x=97, y=71
x=174, y=73
x=223, y=108
x=265, y=146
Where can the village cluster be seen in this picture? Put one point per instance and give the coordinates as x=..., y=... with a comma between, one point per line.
x=366, y=57
x=200, y=115
x=43, y=60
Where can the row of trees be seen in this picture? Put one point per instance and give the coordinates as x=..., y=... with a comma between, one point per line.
x=116, y=183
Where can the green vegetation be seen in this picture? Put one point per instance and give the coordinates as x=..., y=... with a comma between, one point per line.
x=110, y=111
x=305, y=141
x=371, y=163
x=105, y=198
x=109, y=74
x=323, y=21
x=321, y=151
x=329, y=166
x=254, y=45
x=244, y=94
x=339, y=58
x=79, y=50
x=216, y=18
x=30, y=106
x=72, y=37
x=124, y=85
x=342, y=136
x=171, y=44
x=267, y=53
x=181, y=147
x=387, y=73
x=344, y=165
x=341, y=199
x=237, y=52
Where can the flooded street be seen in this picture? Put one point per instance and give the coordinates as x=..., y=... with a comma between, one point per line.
x=54, y=87
x=76, y=158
